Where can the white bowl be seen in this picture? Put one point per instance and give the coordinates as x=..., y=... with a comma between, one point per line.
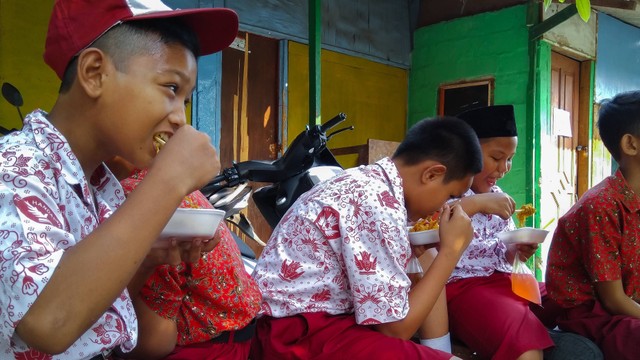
x=187, y=224
x=525, y=235
x=424, y=237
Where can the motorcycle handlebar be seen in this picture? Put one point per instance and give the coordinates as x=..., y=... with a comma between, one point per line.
x=296, y=159
x=333, y=122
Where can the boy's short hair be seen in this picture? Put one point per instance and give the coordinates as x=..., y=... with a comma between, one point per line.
x=447, y=140
x=619, y=116
x=124, y=41
x=75, y=24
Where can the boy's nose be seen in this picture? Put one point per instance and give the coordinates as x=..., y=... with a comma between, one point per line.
x=502, y=168
x=178, y=118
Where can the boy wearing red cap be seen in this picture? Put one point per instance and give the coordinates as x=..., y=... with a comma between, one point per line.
x=70, y=244
x=333, y=275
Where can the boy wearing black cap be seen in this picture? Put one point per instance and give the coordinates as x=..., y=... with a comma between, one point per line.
x=594, y=257
x=484, y=313
x=127, y=70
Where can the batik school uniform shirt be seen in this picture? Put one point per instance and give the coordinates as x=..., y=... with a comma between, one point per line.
x=205, y=298
x=485, y=254
x=342, y=248
x=46, y=207
x=598, y=239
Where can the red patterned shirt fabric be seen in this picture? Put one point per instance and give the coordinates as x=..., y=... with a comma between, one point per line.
x=215, y=294
x=47, y=206
x=598, y=239
x=342, y=248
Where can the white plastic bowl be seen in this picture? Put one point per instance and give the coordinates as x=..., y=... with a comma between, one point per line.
x=187, y=224
x=424, y=237
x=525, y=235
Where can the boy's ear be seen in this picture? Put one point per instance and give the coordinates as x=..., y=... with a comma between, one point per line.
x=92, y=64
x=433, y=172
x=629, y=145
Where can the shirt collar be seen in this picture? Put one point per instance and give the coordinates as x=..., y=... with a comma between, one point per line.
x=627, y=196
x=392, y=174
x=55, y=146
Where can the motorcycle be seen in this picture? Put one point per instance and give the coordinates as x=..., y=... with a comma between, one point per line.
x=306, y=162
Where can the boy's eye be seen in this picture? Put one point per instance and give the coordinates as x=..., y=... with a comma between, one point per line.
x=173, y=88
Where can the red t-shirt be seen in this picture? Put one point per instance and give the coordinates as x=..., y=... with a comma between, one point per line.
x=598, y=239
x=215, y=294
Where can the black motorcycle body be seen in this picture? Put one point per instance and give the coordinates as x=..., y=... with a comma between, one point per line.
x=305, y=162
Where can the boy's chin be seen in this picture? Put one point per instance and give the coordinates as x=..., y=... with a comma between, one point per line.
x=484, y=188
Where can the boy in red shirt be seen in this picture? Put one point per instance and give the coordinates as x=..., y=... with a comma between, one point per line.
x=595, y=252
x=203, y=309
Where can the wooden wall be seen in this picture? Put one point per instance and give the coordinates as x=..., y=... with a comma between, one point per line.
x=376, y=29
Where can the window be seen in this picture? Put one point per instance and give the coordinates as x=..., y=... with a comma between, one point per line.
x=459, y=97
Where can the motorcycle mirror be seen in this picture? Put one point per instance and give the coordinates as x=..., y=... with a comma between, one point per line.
x=13, y=96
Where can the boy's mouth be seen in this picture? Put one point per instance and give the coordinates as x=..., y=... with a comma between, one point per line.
x=159, y=139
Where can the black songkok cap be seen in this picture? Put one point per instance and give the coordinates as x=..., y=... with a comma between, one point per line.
x=491, y=121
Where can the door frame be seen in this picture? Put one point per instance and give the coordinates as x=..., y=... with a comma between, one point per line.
x=540, y=120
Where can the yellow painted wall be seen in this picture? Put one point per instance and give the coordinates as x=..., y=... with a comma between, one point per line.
x=373, y=95
x=23, y=28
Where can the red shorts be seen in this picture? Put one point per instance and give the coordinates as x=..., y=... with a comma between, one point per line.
x=618, y=336
x=490, y=319
x=210, y=350
x=321, y=336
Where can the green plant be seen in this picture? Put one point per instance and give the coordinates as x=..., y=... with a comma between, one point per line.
x=583, y=6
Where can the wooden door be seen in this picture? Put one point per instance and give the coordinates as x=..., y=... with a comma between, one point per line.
x=565, y=120
x=249, y=110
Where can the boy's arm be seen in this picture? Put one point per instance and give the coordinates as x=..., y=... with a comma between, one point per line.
x=499, y=204
x=614, y=299
x=455, y=233
x=157, y=335
x=94, y=272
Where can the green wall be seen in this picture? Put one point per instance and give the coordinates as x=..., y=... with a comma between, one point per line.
x=489, y=45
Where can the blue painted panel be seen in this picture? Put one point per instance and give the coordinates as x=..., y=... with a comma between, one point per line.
x=618, y=64
x=205, y=110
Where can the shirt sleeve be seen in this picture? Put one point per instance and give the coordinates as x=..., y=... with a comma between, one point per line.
x=33, y=235
x=375, y=249
x=501, y=249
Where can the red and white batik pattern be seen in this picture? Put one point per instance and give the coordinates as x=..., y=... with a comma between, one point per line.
x=341, y=248
x=485, y=254
x=47, y=206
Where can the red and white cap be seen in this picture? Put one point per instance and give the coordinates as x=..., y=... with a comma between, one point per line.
x=75, y=24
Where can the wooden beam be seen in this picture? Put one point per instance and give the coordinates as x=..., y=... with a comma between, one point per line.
x=615, y=4
x=558, y=18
